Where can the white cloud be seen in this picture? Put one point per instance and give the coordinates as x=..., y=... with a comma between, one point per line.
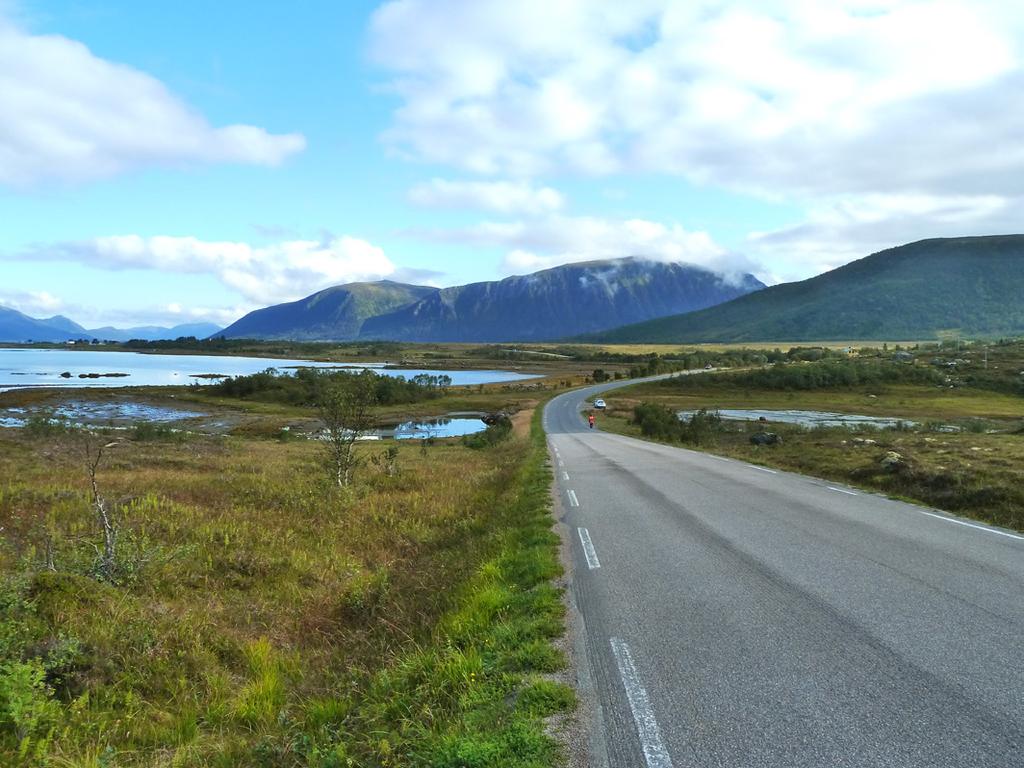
x=262, y=275
x=887, y=120
x=540, y=243
x=838, y=231
x=69, y=115
x=32, y=303
x=499, y=196
x=777, y=97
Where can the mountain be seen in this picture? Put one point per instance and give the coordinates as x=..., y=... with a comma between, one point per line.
x=968, y=285
x=547, y=305
x=154, y=332
x=559, y=302
x=62, y=323
x=16, y=327
x=333, y=314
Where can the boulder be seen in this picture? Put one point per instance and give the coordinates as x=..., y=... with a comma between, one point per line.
x=765, y=438
x=893, y=461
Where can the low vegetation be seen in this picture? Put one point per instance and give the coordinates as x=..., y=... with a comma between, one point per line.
x=253, y=613
x=306, y=386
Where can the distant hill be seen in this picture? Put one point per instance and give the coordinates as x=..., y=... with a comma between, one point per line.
x=18, y=327
x=333, y=314
x=969, y=285
x=547, y=305
x=154, y=332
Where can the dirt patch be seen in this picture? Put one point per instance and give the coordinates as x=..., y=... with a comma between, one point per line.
x=522, y=419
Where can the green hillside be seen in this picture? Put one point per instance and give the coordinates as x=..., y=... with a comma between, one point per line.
x=970, y=285
x=334, y=313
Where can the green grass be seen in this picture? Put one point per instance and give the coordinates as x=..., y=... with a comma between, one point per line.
x=266, y=619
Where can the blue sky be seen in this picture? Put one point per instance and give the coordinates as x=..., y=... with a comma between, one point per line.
x=171, y=162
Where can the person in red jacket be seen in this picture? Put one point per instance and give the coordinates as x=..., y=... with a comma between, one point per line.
x=590, y=418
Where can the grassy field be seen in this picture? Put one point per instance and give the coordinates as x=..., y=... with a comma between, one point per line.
x=259, y=616
x=977, y=470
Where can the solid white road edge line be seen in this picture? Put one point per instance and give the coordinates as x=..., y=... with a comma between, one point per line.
x=984, y=528
x=572, y=498
x=588, y=549
x=655, y=754
x=842, y=490
x=763, y=469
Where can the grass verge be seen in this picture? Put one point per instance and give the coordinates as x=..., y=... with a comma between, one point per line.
x=263, y=619
x=476, y=696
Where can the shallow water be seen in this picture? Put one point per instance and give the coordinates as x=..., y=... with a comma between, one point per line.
x=809, y=418
x=43, y=367
x=93, y=413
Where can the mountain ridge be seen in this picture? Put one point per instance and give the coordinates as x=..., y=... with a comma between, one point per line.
x=546, y=305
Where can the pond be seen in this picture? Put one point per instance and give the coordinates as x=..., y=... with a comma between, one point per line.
x=442, y=427
x=95, y=368
x=809, y=418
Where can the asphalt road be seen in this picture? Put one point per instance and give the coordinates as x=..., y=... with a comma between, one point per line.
x=738, y=616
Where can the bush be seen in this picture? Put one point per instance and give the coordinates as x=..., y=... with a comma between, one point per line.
x=657, y=421
x=827, y=374
x=144, y=431
x=663, y=423
x=303, y=388
x=495, y=433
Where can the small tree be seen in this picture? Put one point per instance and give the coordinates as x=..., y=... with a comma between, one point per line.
x=346, y=408
x=93, y=447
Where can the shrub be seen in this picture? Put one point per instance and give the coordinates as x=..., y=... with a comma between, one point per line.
x=663, y=423
x=495, y=433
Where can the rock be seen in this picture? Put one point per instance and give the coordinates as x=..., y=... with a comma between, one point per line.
x=765, y=438
x=893, y=461
x=864, y=441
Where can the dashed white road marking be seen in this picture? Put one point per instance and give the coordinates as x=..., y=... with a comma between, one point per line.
x=572, y=498
x=565, y=475
x=560, y=462
x=588, y=549
x=984, y=528
x=763, y=469
x=842, y=490
x=655, y=754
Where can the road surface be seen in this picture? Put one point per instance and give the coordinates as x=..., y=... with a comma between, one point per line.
x=733, y=615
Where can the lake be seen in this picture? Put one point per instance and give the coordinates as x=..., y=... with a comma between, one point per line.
x=43, y=368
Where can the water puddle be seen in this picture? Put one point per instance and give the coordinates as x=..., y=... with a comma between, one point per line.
x=810, y=418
